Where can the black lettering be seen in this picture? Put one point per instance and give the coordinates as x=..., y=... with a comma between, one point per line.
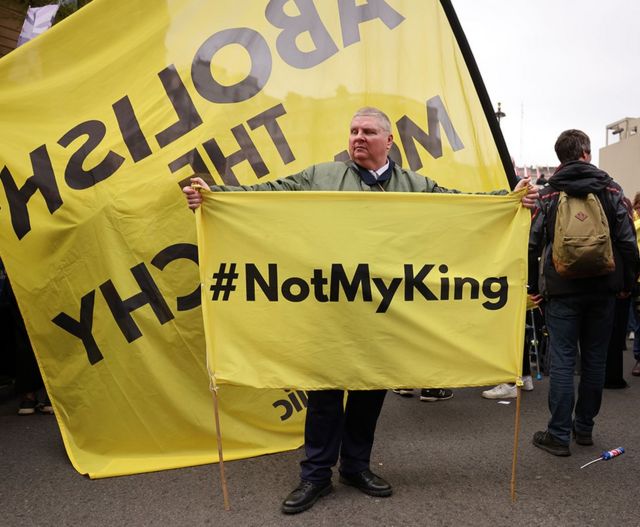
x=339, y=281
x=318, y=282
x=459, y=284
x=188, y=116
x=130, y=129
x=43, y=179
x=431, y=141
x=75, y=175
x=351, y=15
x=294, y=401
x=303, y=397
x=253, y=276
x=177, y=251
x=412, y=282
x=248, y=152
x=308, y=21
x=386, y=292
x=122, y=309
x=444, y=283
x=254, y=43
x=193, y=159
x=500, y=295
x=292, y=282
x=286, y=405
x=82, y=328
x=268, y=120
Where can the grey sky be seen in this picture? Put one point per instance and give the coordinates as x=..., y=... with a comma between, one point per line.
x=556, y=64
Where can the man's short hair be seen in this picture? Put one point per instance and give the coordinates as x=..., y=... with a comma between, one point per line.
x=370, y=111
x=571, y=145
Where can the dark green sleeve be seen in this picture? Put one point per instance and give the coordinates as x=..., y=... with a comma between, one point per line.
x=299, y=181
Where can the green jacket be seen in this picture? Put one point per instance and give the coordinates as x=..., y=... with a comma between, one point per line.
x=344, y=176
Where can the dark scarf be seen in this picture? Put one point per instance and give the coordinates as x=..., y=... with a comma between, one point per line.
x=370, y=179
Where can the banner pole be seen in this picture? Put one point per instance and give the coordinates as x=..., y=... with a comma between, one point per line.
x=515, y=445
x=223, y=479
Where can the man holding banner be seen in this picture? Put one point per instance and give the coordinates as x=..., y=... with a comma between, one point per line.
x=334, y=430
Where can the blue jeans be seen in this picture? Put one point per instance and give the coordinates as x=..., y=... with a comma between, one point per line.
x=585, y=319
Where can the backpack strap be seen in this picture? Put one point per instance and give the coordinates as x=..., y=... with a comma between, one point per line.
x=604, y=196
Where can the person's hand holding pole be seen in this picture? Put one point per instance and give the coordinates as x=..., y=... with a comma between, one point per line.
x=192, y=192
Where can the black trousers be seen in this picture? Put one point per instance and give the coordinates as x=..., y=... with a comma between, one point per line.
x=335, y=431
x=617, y=344
x=28, y=378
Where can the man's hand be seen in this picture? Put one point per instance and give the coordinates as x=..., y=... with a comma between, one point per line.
x=536, y=299
x=529, y=199
x=192, y=192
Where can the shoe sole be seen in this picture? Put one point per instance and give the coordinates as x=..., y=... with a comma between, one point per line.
x=552, y=450
x=26, y=411
x=490, y=396
x=434, y=399
x=307, y=506
x=376, y=493
x=404, y=394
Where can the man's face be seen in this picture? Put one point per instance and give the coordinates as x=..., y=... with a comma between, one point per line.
x=369, y=143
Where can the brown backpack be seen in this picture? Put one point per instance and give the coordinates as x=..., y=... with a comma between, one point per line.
x=582, y=239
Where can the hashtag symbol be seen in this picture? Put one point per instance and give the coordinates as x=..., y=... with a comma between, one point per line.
x=224, y=281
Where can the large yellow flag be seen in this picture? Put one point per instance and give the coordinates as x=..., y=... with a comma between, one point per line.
x=104, y=117
x=363, y=290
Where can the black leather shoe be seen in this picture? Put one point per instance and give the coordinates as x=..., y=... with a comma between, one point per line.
x=304, y=496
x=367, y=482
x=546, y=441
x=582, y=438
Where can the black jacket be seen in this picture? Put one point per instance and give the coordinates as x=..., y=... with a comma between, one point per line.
x=578, y=178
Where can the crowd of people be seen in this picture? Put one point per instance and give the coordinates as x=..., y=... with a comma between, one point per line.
x=589, y=305
x=579, y=309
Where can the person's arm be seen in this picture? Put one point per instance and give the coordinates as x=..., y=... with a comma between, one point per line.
x=528, y=199
x=299, y=181
x=536, y=246
x=624, y=237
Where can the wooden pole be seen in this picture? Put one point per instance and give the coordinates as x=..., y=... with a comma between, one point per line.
x=223, y=479
x=515, y=445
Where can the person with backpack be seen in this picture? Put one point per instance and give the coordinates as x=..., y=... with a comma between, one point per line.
x=582, y=255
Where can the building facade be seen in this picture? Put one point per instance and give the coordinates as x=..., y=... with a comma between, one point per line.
x=620, y=156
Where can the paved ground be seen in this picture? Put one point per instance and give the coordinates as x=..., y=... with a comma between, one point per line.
x=449, y=462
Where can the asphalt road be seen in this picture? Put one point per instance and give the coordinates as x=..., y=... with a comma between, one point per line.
x=449, y=463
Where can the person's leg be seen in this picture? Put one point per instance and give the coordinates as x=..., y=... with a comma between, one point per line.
x=563, y=316
x=634, y=319
x=28, y=377
x=322, y=434
x=526, y=362
x=594, y=341
x=361, y=416
x=617, y=344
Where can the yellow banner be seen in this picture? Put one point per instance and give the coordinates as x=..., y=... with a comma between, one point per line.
x=103, y=118
x=363, y=290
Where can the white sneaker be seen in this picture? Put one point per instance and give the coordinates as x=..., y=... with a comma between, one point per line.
x=404, y=392
x=527, y=383
x=502, y=391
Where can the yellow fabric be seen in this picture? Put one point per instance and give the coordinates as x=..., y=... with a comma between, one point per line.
x=103, y=118
x=275, y=316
